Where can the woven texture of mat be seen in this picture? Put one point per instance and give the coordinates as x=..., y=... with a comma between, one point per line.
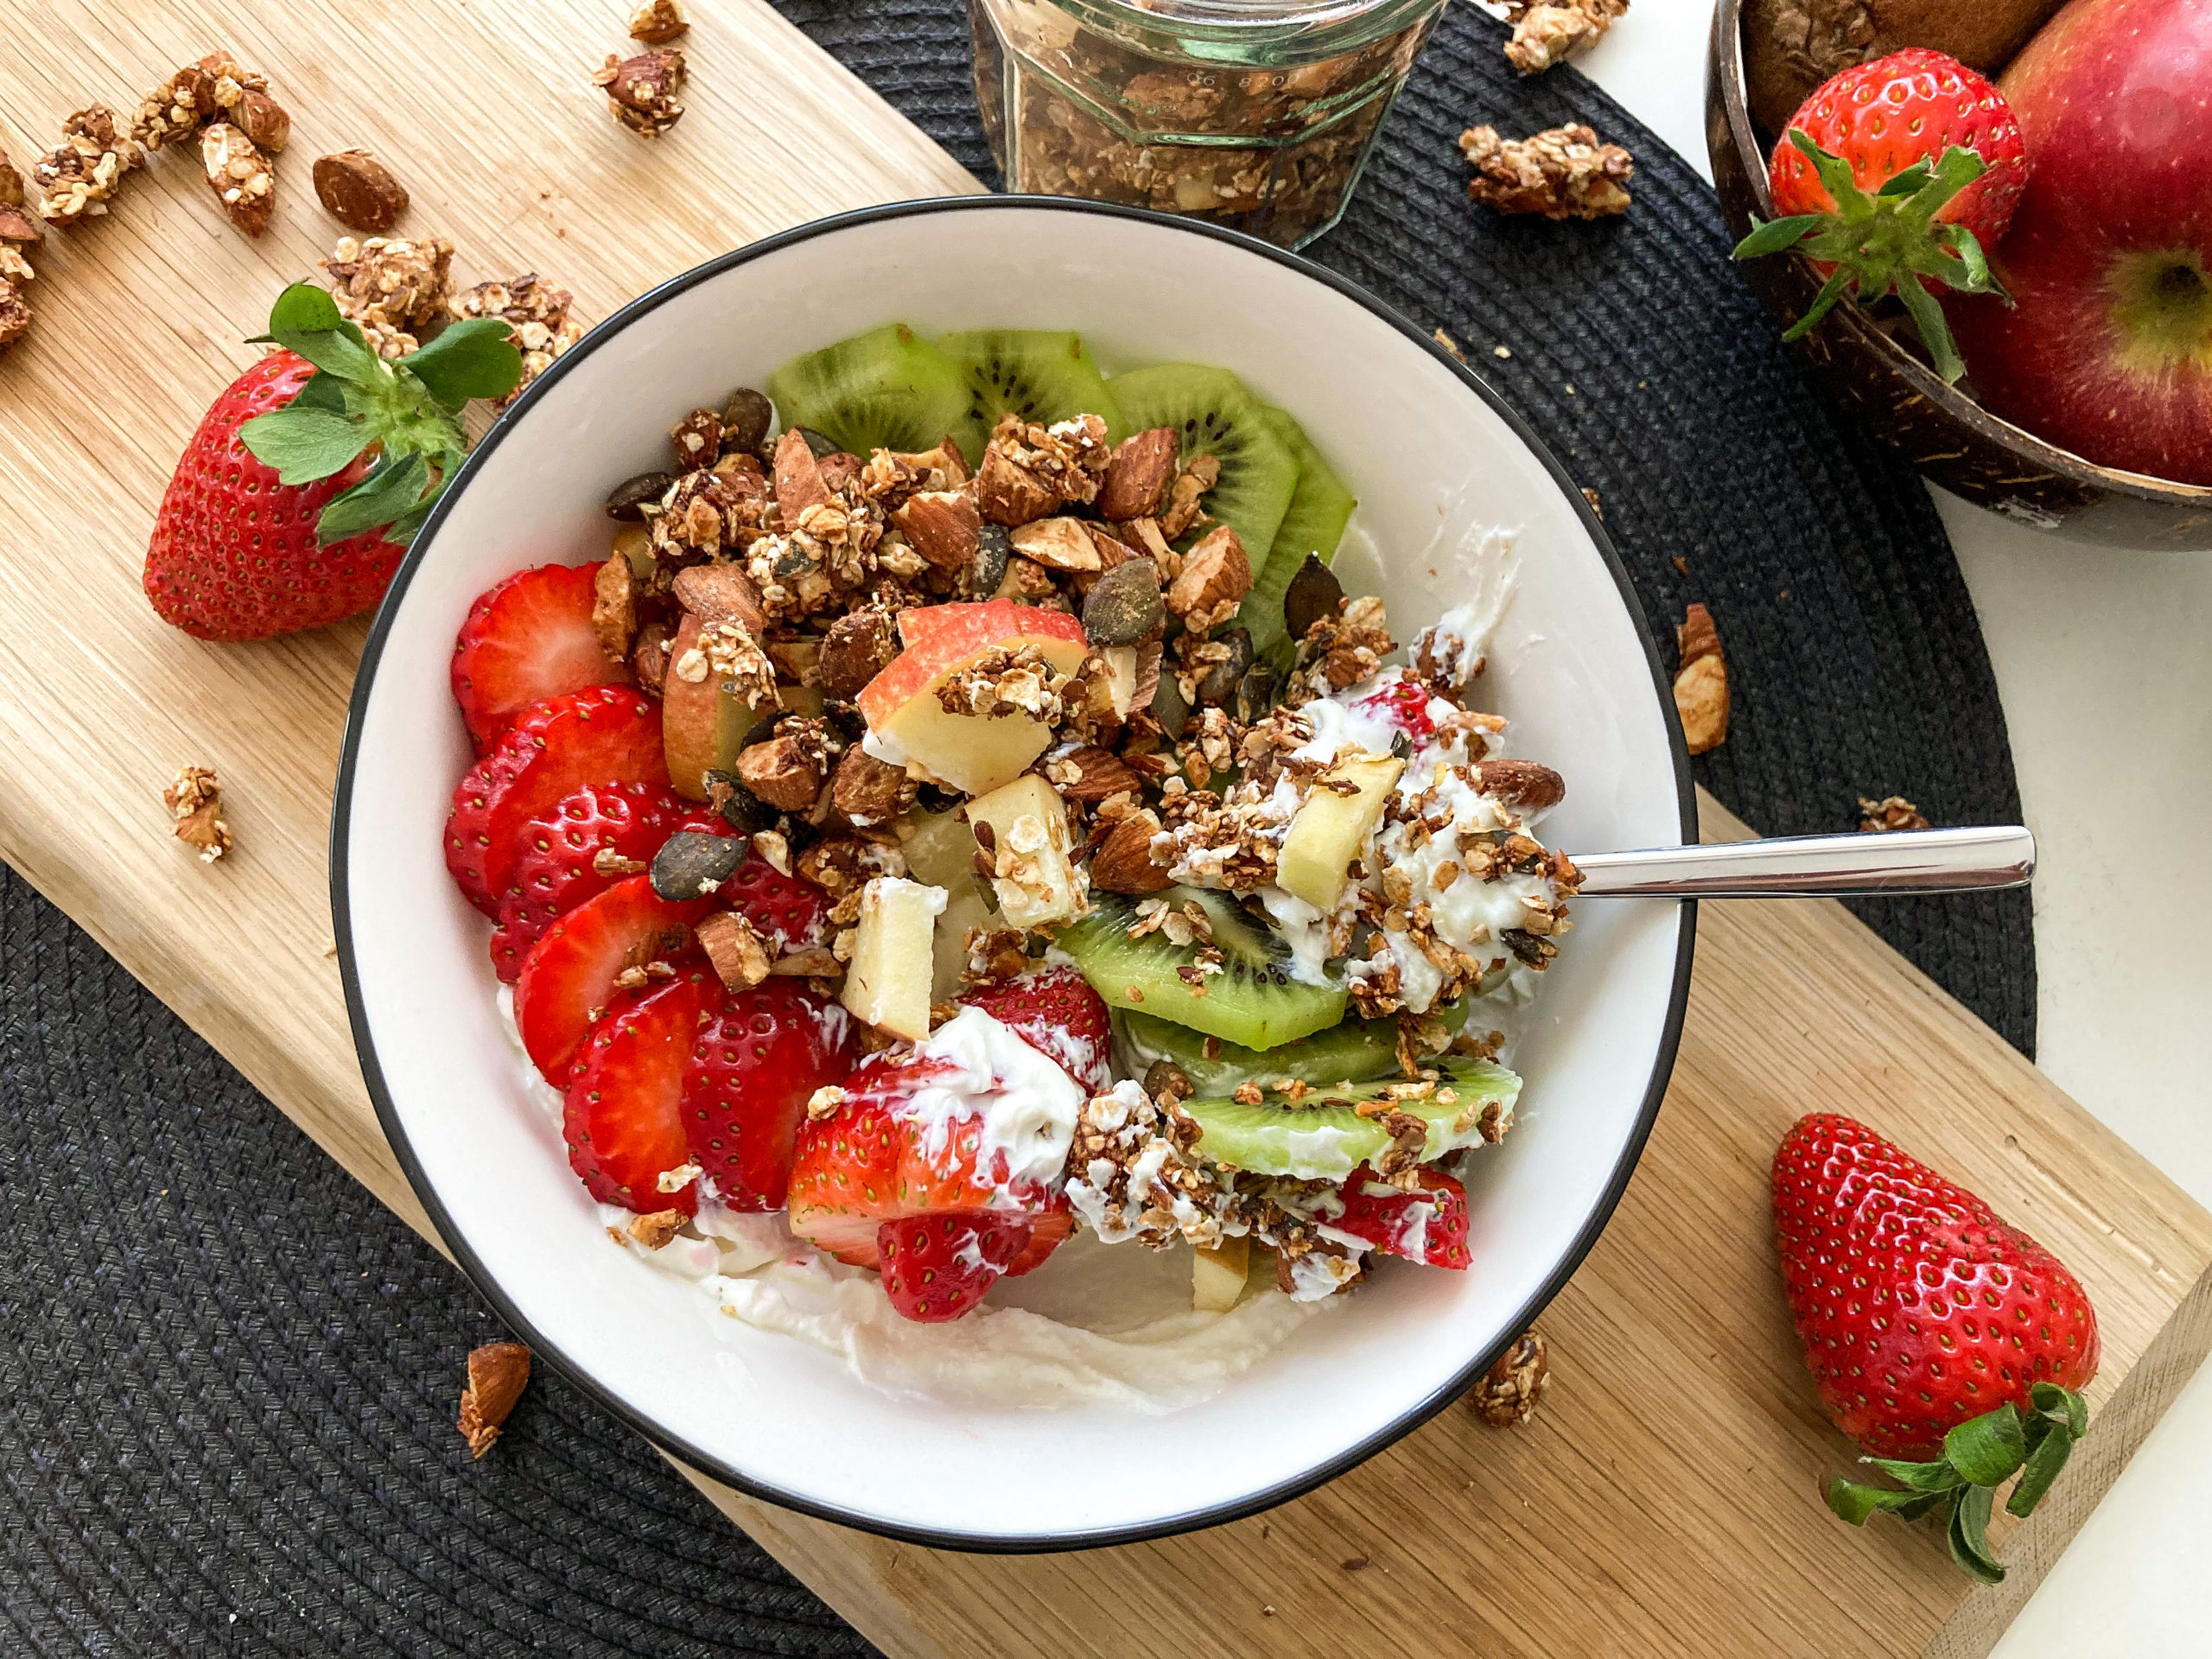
x=225, y=1425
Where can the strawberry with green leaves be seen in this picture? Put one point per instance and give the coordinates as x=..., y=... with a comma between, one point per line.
x=294, y=500
x=1949, y=1345
x=1895, y=174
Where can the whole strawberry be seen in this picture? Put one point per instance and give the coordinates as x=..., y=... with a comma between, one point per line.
x=1895, y=173
x=295, y=498
x=1946, y=1343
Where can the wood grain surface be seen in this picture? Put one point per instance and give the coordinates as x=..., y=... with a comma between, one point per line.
x=1664, y=1501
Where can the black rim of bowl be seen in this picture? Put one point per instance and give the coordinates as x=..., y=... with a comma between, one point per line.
x=1281, y=1491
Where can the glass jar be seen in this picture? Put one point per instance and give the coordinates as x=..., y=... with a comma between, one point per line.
x=1258, y=114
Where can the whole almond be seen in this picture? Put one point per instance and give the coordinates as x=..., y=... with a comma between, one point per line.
x=1522, y=783
x=359, y=190
x=1138, y=475
x=942, y=525
x=858, y=645
x=1123, y=862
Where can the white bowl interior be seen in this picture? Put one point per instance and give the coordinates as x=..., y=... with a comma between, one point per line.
x=1433, y=465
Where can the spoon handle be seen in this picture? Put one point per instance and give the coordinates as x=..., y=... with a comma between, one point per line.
x=1861, y=865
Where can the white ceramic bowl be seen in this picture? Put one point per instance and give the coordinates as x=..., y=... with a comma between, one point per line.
x=1433, y=453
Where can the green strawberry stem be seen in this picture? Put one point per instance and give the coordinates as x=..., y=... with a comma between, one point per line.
x=1960, y=1487
x=1888, y=242
x=408, y=412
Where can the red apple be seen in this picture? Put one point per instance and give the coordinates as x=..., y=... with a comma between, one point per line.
x=2107, y=348
x=971, y=753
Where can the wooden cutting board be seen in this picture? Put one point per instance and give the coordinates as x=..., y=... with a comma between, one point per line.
x=1665, y=1499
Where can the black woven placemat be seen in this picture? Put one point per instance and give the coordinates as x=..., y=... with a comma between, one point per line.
x=228, y=1378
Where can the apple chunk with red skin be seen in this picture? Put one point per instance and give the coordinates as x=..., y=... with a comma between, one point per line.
x=972, y=754
x=2106, y=349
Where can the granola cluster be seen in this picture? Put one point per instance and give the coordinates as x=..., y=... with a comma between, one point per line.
x=82, y=174
x=1561, y=173
x=1552, y=31
x=1133, y=1175
x=226, y=105
x=395, y=289
x=390, y=287
x=18, y=231
x=537, y=311
x=195, y=804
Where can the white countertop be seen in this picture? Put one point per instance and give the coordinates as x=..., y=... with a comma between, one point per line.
x=2104, y=663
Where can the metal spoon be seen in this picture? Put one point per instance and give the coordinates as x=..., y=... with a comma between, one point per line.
x=1799, y=867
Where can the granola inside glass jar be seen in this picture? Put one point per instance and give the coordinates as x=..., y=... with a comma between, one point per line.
x=1257, y=114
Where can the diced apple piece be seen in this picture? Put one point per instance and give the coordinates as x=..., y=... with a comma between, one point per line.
x=1030, y=853
x=887, y=982
x=1331, y=828
x=703, y=724
x=940, y=849
x=972, y=753
x=1218, y=1274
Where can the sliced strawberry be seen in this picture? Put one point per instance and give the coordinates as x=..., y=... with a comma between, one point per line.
x=937, y=1267
x=844, y=1181
x=787, y=910
x=622, y=1120
x=527, y=639
x=607, y=734
x=569, y=975
x=1429, y=1224
x=867, y=1163
x=746, y=1089
x=1058, y=1013
x=566, y=859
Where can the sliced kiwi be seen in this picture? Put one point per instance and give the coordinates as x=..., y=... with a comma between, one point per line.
x=1314, y=523
x=1037, y=374
x=887, y=388
x=1253, y=1001
x=1358, y=1051
x=1216, y=417
x=1323, y=1137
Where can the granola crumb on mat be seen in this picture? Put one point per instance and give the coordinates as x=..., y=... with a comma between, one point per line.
x=1561, y=173
x=659, y=21
x=1448, y=344
x=643, y=92
x=195, y=804
x=359, y=190
x=82, y=172
x=1510, y=1389
x=536, y=310
x=1555, y=30
x=497, y=1372
x=1702, y=681
x=1889, y=813
x=1596, y=505
x=389, y=288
